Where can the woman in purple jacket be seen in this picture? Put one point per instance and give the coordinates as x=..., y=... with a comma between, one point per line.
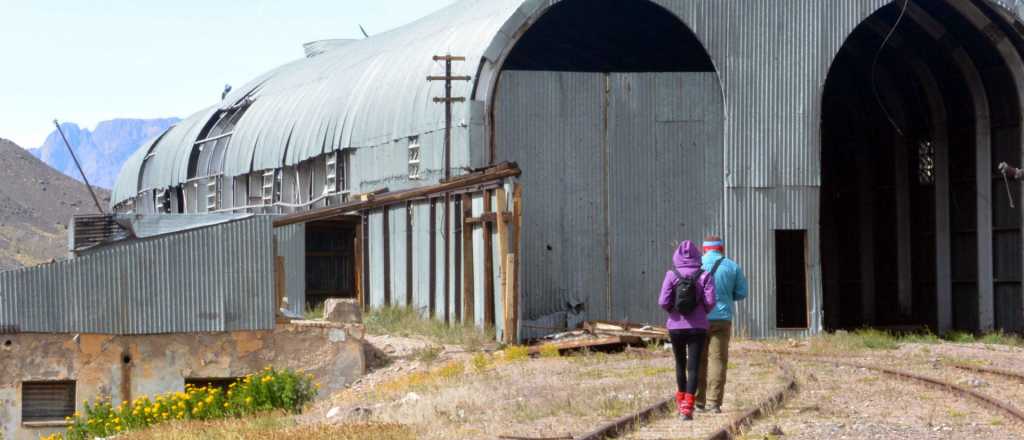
x=687, y=331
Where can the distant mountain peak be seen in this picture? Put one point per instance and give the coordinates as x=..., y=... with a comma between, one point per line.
x=101, y=151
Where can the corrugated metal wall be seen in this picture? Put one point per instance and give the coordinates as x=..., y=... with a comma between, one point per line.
x=604, y=211
x=291, y=244
x=140, y=287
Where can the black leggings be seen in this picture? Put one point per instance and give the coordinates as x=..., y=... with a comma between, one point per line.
x=689, y=341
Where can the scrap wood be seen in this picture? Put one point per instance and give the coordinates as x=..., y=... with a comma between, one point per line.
x=589, y=342
x=612, y=328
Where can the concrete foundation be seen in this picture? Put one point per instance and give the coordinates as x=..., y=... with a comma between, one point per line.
x=126, y=367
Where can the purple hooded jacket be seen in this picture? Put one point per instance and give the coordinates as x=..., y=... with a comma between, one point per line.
x=687, y=261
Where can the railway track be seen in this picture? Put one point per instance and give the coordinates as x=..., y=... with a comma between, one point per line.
x=999, y=404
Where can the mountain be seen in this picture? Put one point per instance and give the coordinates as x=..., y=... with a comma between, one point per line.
x=102, y=151
x=36, y=203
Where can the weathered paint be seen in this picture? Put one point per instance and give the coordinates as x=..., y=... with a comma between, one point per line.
x=333, y=353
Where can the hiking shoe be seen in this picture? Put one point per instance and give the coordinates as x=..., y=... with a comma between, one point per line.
x=686, y=407
x=715, y=409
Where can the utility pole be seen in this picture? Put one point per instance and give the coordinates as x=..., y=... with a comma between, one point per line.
x=79, y=166
x=448, y=100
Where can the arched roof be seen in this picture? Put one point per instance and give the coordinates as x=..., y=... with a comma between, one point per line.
x=358, y=94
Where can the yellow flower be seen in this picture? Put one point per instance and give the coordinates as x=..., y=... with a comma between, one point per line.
x=78, y=414
x=226, y=404
x=248, y=400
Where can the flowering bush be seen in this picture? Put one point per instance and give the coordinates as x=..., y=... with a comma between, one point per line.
x=268, y=390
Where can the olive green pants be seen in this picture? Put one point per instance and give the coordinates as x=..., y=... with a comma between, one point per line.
x=714, y=364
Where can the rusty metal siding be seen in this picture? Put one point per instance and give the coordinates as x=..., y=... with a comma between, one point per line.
x=133, y=288
x=291, y=244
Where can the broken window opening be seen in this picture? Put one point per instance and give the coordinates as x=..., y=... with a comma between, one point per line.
x=267, y=193
x=212, y=187
x=414, y=159
x=163, y=201
x=47, y=401
x=791, y=279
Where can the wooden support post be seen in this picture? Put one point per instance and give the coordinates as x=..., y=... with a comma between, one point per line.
x=901, y=177
x=357, y=264
x=468, y=301
x=489, y=315
x=432, y=302
x=517, y=228
x=385, y=232
x=455, y=235
x=279, y=283
x=409, y=219
x=508, y=298
x=501, y=206
x=867, y=237
x=364, y=239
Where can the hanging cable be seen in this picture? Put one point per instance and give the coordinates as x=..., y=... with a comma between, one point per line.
x=874, y=67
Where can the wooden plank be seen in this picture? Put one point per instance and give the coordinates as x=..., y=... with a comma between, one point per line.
x=490, y=217
x=516, y=238
x=496, y=173
x=489, y=303
x=432, y=261
x=508, y=280
x=501, y=199
x=279, y=282
x=387, y=257
x=365, y=268
x=357, y=266
x=409, y=219
x=468, y=302
x=602, y=341
x=454, y=233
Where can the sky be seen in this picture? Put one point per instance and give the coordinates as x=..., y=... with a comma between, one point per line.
x=87, y=61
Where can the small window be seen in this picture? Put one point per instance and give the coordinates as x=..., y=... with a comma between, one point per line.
x=791, y=279
x=163, y=201
x=267, y=193
x=331, y=186
x=414, y=159
x=49, y=401
x=211, y=194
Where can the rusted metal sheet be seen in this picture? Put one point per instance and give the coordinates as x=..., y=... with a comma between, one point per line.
x=138, y=287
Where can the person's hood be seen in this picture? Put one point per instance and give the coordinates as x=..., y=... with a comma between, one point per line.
x=687, y=255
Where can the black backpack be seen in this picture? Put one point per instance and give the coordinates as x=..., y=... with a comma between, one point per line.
x=684, y=293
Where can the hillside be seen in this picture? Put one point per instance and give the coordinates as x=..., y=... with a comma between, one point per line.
x=36, y=203
x=101, y=151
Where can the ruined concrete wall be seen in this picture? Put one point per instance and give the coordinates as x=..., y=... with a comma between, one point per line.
x=161, y=363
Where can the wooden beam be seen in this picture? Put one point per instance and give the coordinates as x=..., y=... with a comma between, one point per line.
x=432, y=269
x=501, y=206
x=468, y=301
x=508, y=289
x=364, y=239
x=602, y=341
x=386, y=241
x=357, y=266
x=409, y=219
x=279, y=283
x=498, y=172
x=489, y=306
x=517, y=230
x=454, y=234
x=490, y=217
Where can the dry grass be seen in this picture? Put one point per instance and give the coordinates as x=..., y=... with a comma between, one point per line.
x=401, y=321
x=271, y=427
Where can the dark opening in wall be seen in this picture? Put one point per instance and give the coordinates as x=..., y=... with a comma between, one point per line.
x=609, y=36
x=330, y=260
x=47, y=401
x=791, y=279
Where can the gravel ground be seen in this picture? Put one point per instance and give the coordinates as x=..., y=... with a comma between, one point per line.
x=751, y=381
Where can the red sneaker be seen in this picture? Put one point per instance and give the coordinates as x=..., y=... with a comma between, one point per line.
x=680, y=402
x=686, y=407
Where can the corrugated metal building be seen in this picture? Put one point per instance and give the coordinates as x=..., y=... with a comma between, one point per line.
x=853, y=192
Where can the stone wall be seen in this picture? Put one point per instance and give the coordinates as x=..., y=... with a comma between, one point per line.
x=126, y=367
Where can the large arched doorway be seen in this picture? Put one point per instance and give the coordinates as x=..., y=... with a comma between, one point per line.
x=614, y=113
x=917, y=227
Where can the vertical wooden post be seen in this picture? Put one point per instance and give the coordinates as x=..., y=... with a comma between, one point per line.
x=364, y=240
x=501, y=220
x=517, y=228
x=279, y=283
x=508, y=295
x=455, y=235
x=357, y=263
x=489, y=318
x=386, y=241
x=432, y=301
x=409, y=219
x=468, y=301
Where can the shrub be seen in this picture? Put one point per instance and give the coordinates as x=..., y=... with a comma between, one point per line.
x=549, y=351
x=516, y=353
x=267, y=390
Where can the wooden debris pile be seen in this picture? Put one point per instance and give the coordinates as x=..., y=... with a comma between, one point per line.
x=604, y=335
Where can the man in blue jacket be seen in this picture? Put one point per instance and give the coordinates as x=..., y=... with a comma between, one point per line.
x=730, y=286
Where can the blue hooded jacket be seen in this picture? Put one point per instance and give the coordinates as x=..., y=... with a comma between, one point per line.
x=730, y=285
